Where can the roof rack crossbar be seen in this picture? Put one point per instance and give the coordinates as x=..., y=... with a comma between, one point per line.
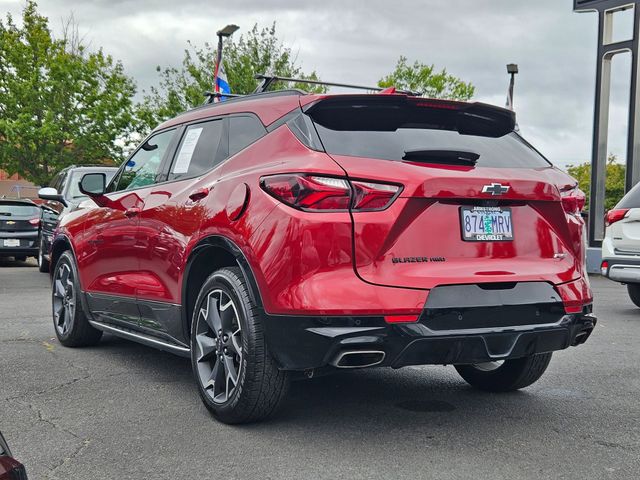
x=267, y=80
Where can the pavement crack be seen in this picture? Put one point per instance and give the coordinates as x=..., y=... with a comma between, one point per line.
x=77, y=452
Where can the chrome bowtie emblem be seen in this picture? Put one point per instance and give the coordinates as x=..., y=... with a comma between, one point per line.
x=10, y=222
x=495, y=189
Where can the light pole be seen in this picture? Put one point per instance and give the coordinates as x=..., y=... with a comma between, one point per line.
x=224, y=33
x=512, y=69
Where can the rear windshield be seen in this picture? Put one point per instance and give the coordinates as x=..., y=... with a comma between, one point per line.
x=18, y=210
x=631, y=199
x=425, y=135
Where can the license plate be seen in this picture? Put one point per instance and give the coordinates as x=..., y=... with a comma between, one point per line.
x=486, y=224
x=12, y=242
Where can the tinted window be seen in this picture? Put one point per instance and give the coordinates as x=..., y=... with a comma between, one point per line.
x=58, y=182
x=143, y=167
x=631, y=199
x=507, y=151
x=18, y=210
x=418, y=130
x=200, y=150
x=243, y=131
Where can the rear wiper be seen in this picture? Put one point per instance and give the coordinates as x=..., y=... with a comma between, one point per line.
x=447, y=157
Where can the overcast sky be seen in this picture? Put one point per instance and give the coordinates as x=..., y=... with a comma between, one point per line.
x=359, y=41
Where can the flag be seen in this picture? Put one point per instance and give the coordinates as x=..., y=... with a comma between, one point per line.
x=221, y=83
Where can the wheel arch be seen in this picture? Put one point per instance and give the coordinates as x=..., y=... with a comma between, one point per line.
x=210, y=254
x=61, y=243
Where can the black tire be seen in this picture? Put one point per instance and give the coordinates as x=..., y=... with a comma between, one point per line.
x=20, y=258
x=634, y=293
x=509, y=376
x=69, y=319
x=43, y=263
x=260, y=386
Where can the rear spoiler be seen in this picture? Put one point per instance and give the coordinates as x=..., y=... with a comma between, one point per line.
x=390, y=112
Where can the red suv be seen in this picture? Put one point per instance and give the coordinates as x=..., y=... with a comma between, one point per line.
x=286, y=232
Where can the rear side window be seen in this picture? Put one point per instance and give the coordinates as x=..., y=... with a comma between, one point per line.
x=631, y=199
x=18, y=210
x=400, y=132
x=243, y=131
x=201, y=149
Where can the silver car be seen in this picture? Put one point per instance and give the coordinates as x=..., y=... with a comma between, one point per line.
x=621, y=245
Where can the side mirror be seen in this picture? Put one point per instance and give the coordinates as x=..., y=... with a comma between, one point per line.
x=49, y=193
x=93, y=184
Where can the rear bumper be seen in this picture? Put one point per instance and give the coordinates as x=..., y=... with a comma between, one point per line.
x=28, y=244
x=301, y=343
x=624, y=270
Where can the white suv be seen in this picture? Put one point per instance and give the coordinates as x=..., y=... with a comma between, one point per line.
x=621, y=245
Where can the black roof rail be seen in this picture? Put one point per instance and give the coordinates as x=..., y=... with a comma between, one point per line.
x=235, y=97
x=209, y=97
x=267, y=80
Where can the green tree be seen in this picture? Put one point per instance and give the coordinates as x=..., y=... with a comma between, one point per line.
x=179, y=89
x=59, y=103
x=614, y=182
x=425, y=80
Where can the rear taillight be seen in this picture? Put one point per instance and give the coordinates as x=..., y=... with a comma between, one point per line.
x=573, y=201
x=318, y=193
x=615, y=215
x=373, y=196
x=604, y=268
x=35, y=222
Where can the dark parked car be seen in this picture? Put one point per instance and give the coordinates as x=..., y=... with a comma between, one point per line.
x=19, y=228
x=10, y=468
x=62, y=196
x=287, y=232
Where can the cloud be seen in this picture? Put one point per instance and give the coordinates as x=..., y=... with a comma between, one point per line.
x=360, y=41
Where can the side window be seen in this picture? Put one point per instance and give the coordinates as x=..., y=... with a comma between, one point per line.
x=143, y=167
x=243, y=131
x=58, y=182
x=54, y=181
x=200, y=150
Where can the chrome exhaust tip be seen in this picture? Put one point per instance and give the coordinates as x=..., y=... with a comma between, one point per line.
x=358, y=358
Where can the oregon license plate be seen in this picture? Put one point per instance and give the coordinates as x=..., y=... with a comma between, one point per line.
x=11, y=242
x=486, y=224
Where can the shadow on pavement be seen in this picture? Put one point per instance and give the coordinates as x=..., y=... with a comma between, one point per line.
x=11, y=262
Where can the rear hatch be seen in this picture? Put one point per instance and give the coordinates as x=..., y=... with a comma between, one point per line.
x=18, y=216
x=478, y=203
x=19, y=221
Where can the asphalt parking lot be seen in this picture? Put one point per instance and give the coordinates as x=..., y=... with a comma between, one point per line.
x=122, y=410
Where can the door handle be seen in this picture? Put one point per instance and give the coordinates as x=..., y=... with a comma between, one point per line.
x=199, y=194
x=132, y=212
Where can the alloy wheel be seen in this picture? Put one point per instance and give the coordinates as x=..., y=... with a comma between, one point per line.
x=218, y=346
x=64, y=299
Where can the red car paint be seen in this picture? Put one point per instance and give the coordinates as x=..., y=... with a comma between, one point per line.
x=328, y=263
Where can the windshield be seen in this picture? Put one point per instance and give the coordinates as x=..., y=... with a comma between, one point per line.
x=18, y=210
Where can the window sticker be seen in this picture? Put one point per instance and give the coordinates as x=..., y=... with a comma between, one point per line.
x=186, y=151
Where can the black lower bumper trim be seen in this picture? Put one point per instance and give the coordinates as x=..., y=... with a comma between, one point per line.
x=301, y=343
